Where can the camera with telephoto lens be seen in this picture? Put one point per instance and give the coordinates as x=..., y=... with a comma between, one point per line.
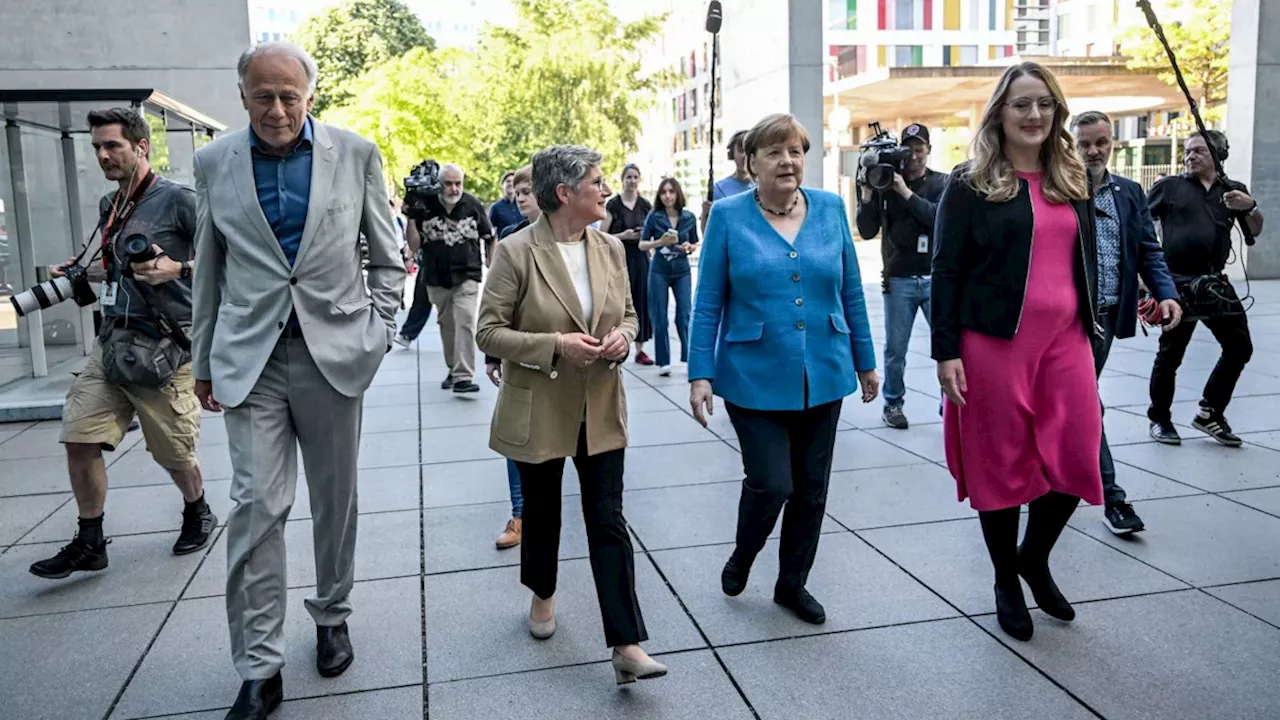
x=73, y=285
x=881, y=157
x=422, y=184
x=137, y=248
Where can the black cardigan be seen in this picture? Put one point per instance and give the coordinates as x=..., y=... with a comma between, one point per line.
x=981, y=257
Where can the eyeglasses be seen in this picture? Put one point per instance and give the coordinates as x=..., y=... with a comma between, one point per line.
x=1022, y=106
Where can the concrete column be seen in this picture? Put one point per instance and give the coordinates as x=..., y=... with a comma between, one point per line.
x=1255, y=148
x=805, y=79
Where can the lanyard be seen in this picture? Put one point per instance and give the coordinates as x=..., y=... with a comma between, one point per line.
x=117, y=220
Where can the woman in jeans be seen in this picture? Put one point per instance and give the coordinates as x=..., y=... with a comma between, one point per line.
x=672, y=232
x=780, y=331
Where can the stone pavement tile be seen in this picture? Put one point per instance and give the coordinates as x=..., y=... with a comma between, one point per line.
x=398, y=374
x=1126, y=426
x=1129, y=391
x=1174, y=656
x=19, y=515
x=386, y=547
x=1255, y=382
x=923, y=440
x=1202, y=540
x=1261, y=599
x=432, y=394
x=894, y=496
x=213, y=430
x=951, y=559
x=143, y=569
x=477, y=622
x=691, y=515
x=134, y=510
x=695, y=689
x=1205, y=464
x=468, y=483
x=389, y=449
x=669, y=427
x=922, y=408
x=391, y=418
x=458, y=414
x=1141, y=485
x=70, y=666
x=858, y=450
x=33, y=476
x=1267, y=500
x=930, y=670
x=189, y=667
x=387, y=395
x=856, y=585
x=405, y=702
x=1269, y=440
x=454, y=444
x=462, y=538
x=137, y=467
x=380, y=490
x=43, y=443
x=647, y=400
x=11, y=430
x=649, y=375
x=684, y=464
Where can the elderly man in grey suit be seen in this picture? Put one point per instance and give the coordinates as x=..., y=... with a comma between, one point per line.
x=287, y=336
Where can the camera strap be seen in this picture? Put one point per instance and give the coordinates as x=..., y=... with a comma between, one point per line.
x=119, y=215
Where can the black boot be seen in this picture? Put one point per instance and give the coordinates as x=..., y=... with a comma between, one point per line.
x=733, y=579
x=1000, y=531
x=257, y=699
x=333, y=650
x=1049, y=515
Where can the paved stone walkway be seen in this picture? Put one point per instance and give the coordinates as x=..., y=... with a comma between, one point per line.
x=1182, y=621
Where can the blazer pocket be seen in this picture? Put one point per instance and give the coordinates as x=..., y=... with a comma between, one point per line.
x=744, y=332
x=339, y=209
x=349, y=307
x=512, y=417
x=839, y=323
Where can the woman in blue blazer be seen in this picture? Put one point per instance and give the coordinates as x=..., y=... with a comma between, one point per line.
x=672, y=233
x=780, y=332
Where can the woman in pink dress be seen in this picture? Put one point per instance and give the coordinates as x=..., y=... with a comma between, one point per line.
x=1014, y=279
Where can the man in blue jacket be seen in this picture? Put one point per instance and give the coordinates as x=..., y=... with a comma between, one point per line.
x=1127, y=248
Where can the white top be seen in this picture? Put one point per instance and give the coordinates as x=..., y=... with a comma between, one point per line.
x=575, y=261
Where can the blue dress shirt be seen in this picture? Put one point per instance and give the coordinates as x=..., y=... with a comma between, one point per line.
x=284, y=189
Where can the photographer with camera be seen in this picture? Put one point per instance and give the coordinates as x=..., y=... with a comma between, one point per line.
x=141, y=362
x=1196, y=212
x=901, y=207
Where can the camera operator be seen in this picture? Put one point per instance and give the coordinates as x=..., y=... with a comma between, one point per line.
x=139, y=301
x=903, y=214
x=456, y=240
x=1196, y=211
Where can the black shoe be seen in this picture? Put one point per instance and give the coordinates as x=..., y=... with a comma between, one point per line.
x=133, y=425
x=733, y=579
x=333, y=650
x=1214, y=425
x=894, y=417
x=800, y=602
x=465, y=386
x=1164, y=432
x=1044, y=589
x=257, y=699
x=1011, y=611
x=1122, y=520
x=446, y=383
x=198, y=524
x=76, y=556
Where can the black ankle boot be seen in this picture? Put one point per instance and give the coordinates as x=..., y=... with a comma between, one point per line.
x=733, y=579
x=257, y=699
x=1011, y=611
x=1044, y=589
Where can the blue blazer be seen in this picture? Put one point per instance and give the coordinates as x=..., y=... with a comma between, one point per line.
x=1140, y=253
x=768, y=314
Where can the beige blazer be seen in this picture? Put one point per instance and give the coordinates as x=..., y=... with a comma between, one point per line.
x=528, y=298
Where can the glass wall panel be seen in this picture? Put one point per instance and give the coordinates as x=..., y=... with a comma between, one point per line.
x=50, y=226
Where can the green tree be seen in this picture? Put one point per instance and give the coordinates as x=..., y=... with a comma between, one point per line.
x=1199, y=32
x=354, y=37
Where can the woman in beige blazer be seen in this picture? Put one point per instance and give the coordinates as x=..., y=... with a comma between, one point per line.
x=557, y=309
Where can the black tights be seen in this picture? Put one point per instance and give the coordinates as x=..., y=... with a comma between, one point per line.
x=1048, y=516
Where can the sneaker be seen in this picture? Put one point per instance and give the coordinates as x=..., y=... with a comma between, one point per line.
x=895, y=418
x=1122, y=520
x=665, y=371
x=77, y=556
x=1164, y=432
x=642, y=358
x=1214, y=425
x=403, y=341
x=447, y=383
x=198, y=524
x=800, y=602
x=465, y=386
x=512, y=535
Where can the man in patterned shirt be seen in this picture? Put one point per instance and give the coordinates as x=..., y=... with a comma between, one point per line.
x=1127, y=248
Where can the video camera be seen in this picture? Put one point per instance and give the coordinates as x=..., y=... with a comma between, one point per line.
x=881, y=157
x=422, y=184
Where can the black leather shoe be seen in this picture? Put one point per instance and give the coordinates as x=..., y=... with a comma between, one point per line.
x=333, y=650
x=1048, y=598
x=1011, y=611
x=257, y=699
x=733, y=579
x=800, y=602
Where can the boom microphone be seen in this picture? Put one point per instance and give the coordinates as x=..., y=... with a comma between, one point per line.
x=715, y=16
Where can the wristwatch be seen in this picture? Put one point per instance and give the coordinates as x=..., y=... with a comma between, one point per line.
x=185, y=273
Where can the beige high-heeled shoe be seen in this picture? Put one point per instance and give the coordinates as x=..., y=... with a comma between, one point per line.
x=541, y=629
x=626, y=670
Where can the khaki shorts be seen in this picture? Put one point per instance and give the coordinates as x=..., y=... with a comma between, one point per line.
x=98, y=413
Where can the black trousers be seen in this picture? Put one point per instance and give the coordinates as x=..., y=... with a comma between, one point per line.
x=1112, y=493
x=786, y=456
x=1231, y=332
x=420, y=312
x=609, y=543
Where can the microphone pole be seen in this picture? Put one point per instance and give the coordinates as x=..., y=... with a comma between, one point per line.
x=715, y=17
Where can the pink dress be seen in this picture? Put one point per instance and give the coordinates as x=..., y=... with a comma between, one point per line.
x=1032, y=421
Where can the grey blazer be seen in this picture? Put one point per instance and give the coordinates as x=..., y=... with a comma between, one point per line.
x=244, y=289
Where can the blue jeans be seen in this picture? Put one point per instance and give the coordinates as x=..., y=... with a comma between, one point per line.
x=419, y=312
x=513, y=481
x=660, y=281
x=905, y=295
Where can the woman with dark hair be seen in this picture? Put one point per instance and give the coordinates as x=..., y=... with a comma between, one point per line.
x=627, y=213
x=673, y=232
x=1014, y=303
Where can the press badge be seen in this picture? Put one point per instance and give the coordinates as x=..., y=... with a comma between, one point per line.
x=922, y=244
x=108, y=295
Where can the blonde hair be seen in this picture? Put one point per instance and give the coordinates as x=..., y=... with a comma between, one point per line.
x=990, y=171
x=773, y=129
x=523, y=175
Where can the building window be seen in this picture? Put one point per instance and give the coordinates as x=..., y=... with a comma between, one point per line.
x=271, y=14
x=842, y=14
x=264, y=37
x=275, y=36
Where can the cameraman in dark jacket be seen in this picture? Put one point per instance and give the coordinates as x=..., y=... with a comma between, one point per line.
x=905, y=214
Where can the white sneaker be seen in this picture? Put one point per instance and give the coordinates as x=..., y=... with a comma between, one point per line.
x=665, y=371
x=403, y=341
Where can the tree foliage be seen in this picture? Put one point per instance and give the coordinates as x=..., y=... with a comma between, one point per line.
x=1199, y=32
x=355, y=37
x=568, y=71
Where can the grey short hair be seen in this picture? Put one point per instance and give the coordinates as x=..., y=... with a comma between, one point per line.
x=454, y=167
x=1091, y=117
x=280, y=46
x=560, y=165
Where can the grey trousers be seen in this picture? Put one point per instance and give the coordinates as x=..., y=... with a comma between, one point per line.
x=292, y=406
